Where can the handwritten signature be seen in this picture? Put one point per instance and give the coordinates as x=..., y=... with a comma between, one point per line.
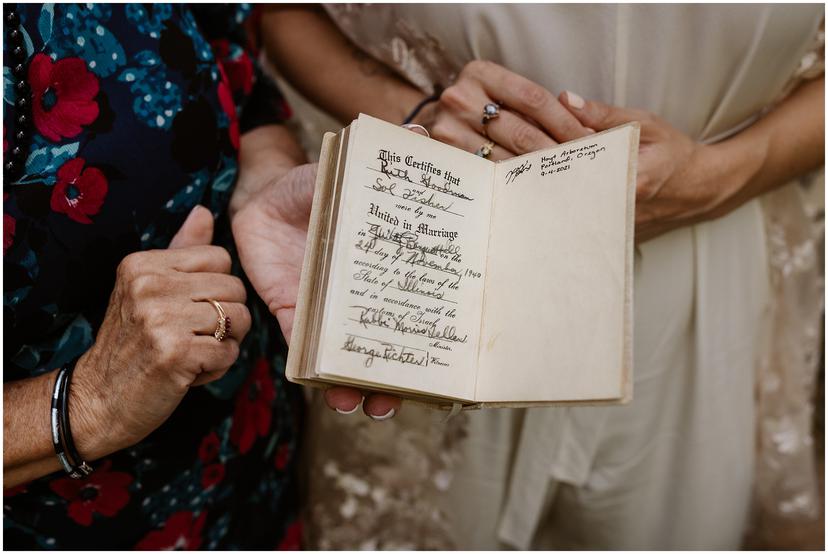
x=399, y=323
x=518, y=171
x=386, y=351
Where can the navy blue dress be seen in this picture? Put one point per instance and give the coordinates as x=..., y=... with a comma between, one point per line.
x=137, y=112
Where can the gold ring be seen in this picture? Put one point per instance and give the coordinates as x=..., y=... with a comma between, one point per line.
x=485, y=149
x=223, y=324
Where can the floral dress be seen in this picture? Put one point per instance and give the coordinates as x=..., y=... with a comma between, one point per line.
x=137, y=113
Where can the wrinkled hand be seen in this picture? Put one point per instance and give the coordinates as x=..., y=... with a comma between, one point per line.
x=531, y=118
x=156, y=340
x=270, y=231
x=673, y=188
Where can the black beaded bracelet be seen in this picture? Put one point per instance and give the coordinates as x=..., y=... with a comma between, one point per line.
x=61, y=430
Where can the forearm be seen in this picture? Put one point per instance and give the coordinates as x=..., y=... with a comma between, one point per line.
x=788, y=142
x=26, y=428
x=329, y=70
x=28, y=452
x=266, y=154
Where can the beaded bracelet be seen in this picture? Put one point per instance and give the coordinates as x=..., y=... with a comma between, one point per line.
x=61, y=431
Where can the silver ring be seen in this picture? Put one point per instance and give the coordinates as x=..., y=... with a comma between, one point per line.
x=412, y=126
x=490, y=111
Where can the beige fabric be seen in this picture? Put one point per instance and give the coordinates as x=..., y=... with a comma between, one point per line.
x=674, y=468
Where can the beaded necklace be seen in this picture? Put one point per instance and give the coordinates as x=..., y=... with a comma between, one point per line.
x=19, y=145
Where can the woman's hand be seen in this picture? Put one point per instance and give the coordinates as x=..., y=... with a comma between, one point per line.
x=530, y=119
x=677, y=176
x=156, y=339
x=271, y=231
x=680, y=181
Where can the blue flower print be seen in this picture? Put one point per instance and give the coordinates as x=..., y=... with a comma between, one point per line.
x=81, y=31
x=157, y=99
x=149, y=21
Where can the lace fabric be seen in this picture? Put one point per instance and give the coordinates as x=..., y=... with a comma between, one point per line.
x=787, y=489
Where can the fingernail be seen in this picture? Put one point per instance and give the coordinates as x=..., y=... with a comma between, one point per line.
x=389, y=415
x=192, y=212
x=591, y=130
x=349, y=412
x=574, y=100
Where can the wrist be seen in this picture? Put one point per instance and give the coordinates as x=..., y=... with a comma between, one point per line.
x=734, y=164
x=96, y=428
x=250, y=184
x=266, y=155
x=406, y=99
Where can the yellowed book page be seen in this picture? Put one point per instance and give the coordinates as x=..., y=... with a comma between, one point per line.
x=406, y=289
x=558, y=289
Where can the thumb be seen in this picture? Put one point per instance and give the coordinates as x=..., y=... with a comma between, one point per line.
x=196, y=231
x=599, y=116
x=416, y=128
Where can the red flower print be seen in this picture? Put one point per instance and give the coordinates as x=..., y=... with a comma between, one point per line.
x=212, y=475
x=13, y=491
x=104, y=492
x=293, y=537
x=180, y=532
x=63, y=96
x=282, y=456
x=229, y=106
x=9, y=225
x=239, y=70
x=209, y=448
x=251, y=418
x=286, y=111
x=79, y=192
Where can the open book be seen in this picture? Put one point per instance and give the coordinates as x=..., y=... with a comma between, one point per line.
x=444, y=277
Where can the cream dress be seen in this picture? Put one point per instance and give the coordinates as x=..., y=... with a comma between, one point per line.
x=676, y=467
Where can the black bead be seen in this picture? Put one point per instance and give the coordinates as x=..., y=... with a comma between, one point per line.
x=9, y=167
x=12, y=19
x=21, y=87
x=22, y=103
x=15, y=35
x=19, y=71
x=17, y=152
x=21, y=135
x=22, y=120
x=19, y=52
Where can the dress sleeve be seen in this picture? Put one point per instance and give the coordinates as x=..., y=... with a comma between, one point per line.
x=233, y=32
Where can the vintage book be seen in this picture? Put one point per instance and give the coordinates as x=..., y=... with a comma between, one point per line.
x=444, y=277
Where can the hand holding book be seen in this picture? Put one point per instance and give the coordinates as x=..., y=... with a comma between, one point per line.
x=446, y=278
x=680, y=181
x=271, y=232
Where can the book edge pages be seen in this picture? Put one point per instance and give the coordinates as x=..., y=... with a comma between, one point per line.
x=629, y=320
x=298, y=342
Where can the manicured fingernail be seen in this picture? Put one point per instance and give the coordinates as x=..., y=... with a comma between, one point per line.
x=591, y=130
x=349, y=412
x=574, y=100
x=389, y=415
